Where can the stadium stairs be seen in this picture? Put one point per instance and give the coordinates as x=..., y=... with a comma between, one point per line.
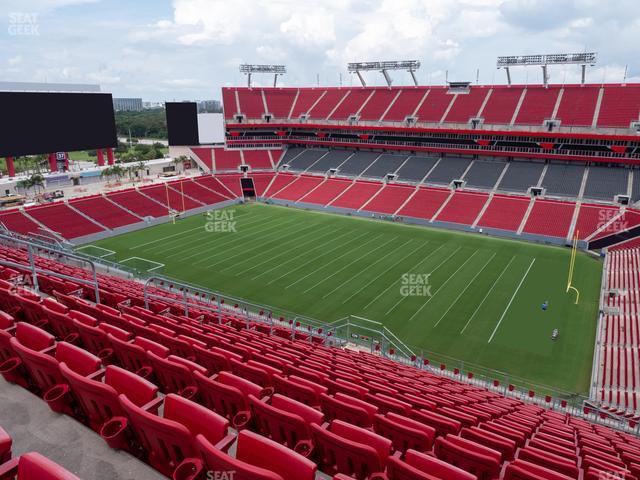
x=212, y=391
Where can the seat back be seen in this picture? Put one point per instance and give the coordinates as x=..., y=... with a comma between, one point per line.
x=33, y=338
x=166, y=442
x=93, y=338
x=283, y=427
x=77, y=359
x=296, y=391
x=523, y=470
x=471, y=457
x=60, y=322
x=131, y=356
x=223, y=399
x=213, y=361
x=32, y=465
x=172, y=376
x=31, y=306
x=254, y=374
x=419, y=466
x=335, y=409
x=336, y=454
x=218, y=461
x=42, y=369
x=404, y=432
x=198, y=419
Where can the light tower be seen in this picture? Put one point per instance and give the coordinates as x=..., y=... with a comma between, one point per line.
x=249, y=69
x=582, y=59
x=383, y=67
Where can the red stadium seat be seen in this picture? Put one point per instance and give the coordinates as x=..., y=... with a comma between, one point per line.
x=175, y=374
x=5, y=446
x=169, y=440
x=469, y=456
x=257, y=458
x=419, y=466
x=33, y=466
x=285, y=421
x=522, y=470
x=133, y=355
x=404, y=432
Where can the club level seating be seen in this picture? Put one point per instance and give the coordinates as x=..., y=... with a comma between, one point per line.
x=225, y=160
x=305, y=159
x=416, y=168
x=103, y=211
x=333, y=159
x=62, y=219
x=385, y=164
x=563, y=179
x=327, y=191
x=527, y=105
x=448, y=169
x=484, y=174
x=463, y=207
x=137, y=203
x=465, y=432
x=169, y=197
x=520, y=176
x=358, y=163
x=606, y=182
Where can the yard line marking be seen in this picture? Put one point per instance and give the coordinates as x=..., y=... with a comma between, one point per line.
x=487, y=295
x=192, y=239
x=349, y=264
x=386, y=271
x=465, y=289
x=510, y=301
x=297, y=256
x=439, y=265
x=395, y=281
x=335, y=259
x=234, y=239
x=362, y=271
x=313, y=229
x=442, y=286
x=316, y=258
x=164, y=238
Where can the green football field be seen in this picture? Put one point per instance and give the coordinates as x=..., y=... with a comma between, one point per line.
x=471, y=297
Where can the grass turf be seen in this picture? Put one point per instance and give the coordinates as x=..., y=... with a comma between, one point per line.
x=483, y=304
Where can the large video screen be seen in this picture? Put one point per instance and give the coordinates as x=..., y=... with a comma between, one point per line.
x=34, y=123
x=182, y=123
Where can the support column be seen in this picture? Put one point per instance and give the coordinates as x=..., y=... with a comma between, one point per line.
x=110, y=159
x=100, y=156
x=53, y=167
x=11, y=170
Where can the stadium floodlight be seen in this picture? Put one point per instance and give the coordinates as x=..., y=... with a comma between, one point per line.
x=582, y=59
x=249, y=69
x=409, y=65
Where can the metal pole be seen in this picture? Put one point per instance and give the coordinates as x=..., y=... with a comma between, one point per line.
x=386, y=77
x=361, y=79
x=584, y=73
x=32, y=264
x=413, y=75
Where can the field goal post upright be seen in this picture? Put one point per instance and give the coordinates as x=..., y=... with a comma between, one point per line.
x=572, y=263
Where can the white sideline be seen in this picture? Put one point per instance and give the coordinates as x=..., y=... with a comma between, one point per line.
x=487, y=295
x=327, y=264
x=510, y=301
x=367, y=268
x=395, y=281
x=465, y=289
x=316, y=258
x=386, y=271
x=349, y=264
x=442, y=286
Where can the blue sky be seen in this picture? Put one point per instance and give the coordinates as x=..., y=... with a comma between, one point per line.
x=188, y=49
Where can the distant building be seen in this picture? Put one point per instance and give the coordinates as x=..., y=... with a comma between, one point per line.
x=149, y=105
x=127, y=104
x=209, y=106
